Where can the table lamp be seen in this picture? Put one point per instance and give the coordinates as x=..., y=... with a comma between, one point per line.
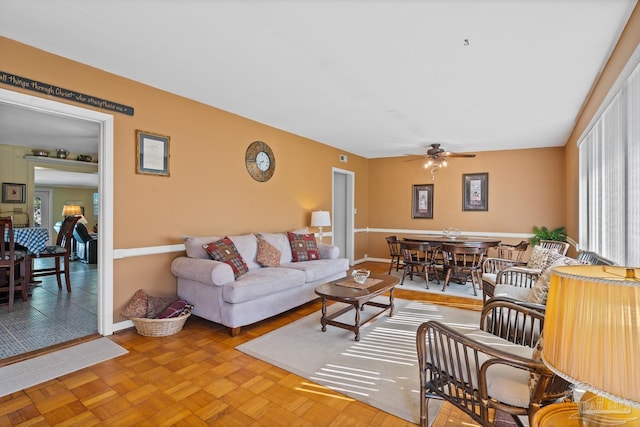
x=71, y=210
x=592, y=339
x=320, y=219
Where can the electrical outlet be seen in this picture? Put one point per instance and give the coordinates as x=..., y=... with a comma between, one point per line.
x=343, y=158
x=366, y=255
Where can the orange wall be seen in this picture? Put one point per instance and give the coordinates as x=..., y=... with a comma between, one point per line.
x=209, y=191
x=526, y=188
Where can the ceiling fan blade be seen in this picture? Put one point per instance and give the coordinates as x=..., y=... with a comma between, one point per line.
x=414, y=157
x=460, y=154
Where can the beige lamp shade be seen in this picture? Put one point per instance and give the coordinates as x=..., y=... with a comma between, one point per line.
x=71, y=210
x=592, y=330
x=320, y=219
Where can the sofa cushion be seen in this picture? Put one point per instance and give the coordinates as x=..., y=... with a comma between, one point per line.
x=540, y=289
x=516, y=292
x=504, y=383
x=261, y=282
x=319, y=269
x=193, y=246
x=281, y=242
x=224, y=250
x=247, y=246
x=268, y=255
x=303, y=247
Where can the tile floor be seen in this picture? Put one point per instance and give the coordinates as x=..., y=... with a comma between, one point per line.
x=51, y=316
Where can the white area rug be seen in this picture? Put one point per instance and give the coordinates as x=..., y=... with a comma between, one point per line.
x=454, y=288
x=380, y=370
x=43, y=368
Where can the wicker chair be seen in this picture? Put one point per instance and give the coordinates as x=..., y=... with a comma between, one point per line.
x=489, y=367
x=560, y=247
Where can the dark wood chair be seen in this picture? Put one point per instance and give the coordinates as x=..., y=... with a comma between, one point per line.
x=463, y=263
x=61, y=251
x=394, y=252
x=514, y=252
x=417, y=259
x=13, y=264
x=489, y=368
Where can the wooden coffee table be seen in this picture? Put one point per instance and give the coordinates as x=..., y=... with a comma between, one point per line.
x=356, y=298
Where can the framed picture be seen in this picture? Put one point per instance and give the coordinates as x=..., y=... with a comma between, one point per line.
x=422, y=206
x=14, y=193
x=475, y=192
x=152, y=154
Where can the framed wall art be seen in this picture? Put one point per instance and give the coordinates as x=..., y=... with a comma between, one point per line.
x=475, y=192
x=152, y=154
x=422, y=206
x=14, y=193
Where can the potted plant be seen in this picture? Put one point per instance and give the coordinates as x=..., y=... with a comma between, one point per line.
x=543, y=233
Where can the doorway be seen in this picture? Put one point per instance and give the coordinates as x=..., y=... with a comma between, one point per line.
x=42, y=210
x=343, y=194
x=105, y=189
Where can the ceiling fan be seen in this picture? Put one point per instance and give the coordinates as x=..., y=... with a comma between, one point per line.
x=436, y=158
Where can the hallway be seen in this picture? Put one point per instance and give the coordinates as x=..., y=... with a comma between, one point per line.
x=51, y=316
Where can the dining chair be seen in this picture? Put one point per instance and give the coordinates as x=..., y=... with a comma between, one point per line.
x=13, y=264
x=394, y=252
x=463, y=262
x=417, y=259
x=61, y=251
x=512, y=252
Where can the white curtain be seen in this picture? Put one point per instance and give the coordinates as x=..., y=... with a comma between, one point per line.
x=610, y=178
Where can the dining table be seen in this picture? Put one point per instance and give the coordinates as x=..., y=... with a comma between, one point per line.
x=33, y=239
x=475, y=241
x=467, y=241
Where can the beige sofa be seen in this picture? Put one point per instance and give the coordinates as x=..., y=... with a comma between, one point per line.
x=261, y=292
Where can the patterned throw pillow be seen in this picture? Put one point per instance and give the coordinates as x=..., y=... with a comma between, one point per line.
x=225, y=251
x=303, y=247
x=137, y=307
x=268, y=255
x=538, y=257
x=540, y=289
x=156, y=305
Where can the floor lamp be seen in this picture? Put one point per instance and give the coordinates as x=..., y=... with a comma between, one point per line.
x=592, y=339
x=320, y=219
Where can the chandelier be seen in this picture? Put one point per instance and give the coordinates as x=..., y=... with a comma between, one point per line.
x=435, y=163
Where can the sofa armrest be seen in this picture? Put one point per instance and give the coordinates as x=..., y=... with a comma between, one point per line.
x=206, y=271
x=328, y=251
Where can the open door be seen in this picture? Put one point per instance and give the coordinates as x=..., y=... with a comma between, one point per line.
x=343, y=188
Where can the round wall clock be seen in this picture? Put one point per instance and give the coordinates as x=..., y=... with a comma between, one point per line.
x=260, y=161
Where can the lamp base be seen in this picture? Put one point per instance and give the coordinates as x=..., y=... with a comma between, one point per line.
x=597, y=411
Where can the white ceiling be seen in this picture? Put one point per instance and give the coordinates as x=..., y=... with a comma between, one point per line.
x=376, y=78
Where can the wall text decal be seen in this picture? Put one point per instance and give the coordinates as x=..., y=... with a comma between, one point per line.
x=51, y=90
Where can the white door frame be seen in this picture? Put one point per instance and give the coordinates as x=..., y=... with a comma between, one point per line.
x=105, y=189
x=349, y=210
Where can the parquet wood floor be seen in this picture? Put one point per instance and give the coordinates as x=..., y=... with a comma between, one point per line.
x=197, y=378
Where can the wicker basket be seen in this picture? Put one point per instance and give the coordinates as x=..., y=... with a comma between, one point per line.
x=159, y=327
